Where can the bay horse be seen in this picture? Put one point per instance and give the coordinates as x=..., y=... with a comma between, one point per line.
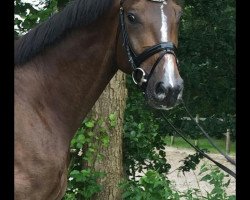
x=63, y=65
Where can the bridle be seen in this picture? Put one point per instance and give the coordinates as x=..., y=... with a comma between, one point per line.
x=139, y=76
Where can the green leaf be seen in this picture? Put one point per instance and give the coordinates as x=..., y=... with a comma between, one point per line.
x=90, y=124
x=74, y=172
x=206, y=177
x=126, y=194
x=105, y=140
x=112, y=117
x=91, y=134
x=112, y=120
x=81, y=139
x=227, y=183
x=232, y=197
x=203, y=169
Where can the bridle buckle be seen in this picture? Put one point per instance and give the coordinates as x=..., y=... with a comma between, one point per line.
x=139, y=76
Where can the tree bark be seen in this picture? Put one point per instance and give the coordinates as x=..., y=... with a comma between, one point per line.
x=112, y=100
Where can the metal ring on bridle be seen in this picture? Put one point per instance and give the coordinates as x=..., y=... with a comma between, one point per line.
x=143, y=78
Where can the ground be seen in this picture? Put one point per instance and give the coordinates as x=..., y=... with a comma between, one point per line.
x=175, y=155
x=190, y=179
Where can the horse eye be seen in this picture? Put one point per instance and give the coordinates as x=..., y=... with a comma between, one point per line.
x=131, y=18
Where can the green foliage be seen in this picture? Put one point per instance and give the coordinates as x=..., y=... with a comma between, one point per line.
x=152, y=186
x=31, y=14
x=207, y=56
x=155, y=186
x=113, y=120
x=216, y=179
x=143, y=144
x=85, y=148
x=83, y=184
x=190, y=162
x=216, y=127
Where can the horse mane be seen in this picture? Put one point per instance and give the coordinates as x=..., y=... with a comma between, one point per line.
x=76, y=14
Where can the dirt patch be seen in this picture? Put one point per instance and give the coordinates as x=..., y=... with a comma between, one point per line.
x=191, y=179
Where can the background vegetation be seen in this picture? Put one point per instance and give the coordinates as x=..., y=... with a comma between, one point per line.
x=207, y=64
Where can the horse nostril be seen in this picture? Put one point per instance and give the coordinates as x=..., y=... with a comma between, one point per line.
x=160, y=89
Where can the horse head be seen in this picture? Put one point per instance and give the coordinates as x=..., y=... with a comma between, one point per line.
x=147, y=43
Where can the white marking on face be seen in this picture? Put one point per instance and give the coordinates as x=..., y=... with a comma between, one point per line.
x=168, y=66
x=164, y=27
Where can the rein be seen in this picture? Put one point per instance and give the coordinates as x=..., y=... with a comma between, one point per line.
x=229, y=159
x=223, y=167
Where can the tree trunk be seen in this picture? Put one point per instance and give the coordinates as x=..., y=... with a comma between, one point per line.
x=112, y=100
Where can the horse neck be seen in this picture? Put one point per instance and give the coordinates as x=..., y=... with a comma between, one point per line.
x=68, y=78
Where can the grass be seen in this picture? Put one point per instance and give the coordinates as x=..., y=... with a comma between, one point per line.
x=203, y=143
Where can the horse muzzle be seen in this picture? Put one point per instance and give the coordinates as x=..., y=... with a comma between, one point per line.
x=164, y=96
